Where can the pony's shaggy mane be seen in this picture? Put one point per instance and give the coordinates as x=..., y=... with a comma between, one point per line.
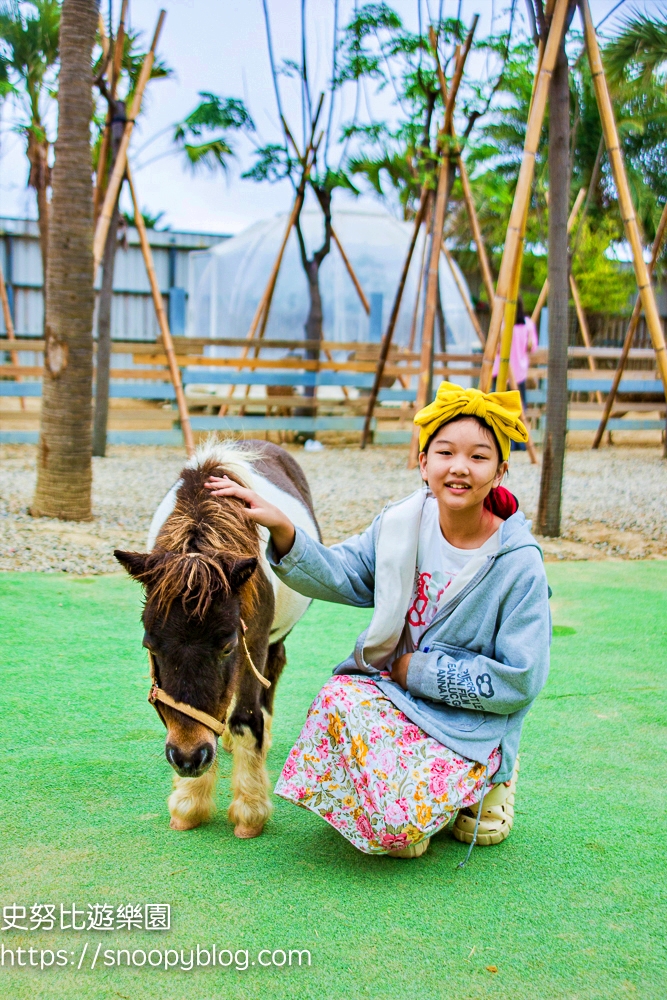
x=201, y=541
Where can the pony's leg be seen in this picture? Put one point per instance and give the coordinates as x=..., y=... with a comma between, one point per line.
x=251, y=737
x=250, y=807
x=191, y=801
x=275, y=663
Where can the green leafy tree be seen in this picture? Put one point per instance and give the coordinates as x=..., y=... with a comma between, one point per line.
x=639, y=51
x=28, y=73
x=204, y=134
x=636, y=62
x=604, y=285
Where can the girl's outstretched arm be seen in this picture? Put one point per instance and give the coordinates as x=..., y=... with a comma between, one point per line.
x=343, y=573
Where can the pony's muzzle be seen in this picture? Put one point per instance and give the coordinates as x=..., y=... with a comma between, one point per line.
x=190, y=763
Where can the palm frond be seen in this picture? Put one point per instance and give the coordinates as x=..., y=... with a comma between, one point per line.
x=640, y=50
x=209, y=154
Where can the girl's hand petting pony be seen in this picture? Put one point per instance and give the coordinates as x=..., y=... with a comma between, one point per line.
x=282, y=535
x=259, y=510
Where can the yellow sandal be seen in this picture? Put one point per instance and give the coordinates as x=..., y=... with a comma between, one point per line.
x=413, y=851
x=496, y=820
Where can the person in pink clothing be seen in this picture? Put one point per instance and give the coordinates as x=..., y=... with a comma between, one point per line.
x=524, y=343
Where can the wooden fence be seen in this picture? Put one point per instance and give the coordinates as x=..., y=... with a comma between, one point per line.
x=295, y=394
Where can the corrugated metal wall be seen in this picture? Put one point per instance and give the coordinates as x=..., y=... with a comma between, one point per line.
x=132, y=314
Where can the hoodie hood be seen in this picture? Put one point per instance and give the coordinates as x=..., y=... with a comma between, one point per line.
x=515, y=534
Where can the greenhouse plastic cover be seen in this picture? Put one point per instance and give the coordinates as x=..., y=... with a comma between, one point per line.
x=226, y=282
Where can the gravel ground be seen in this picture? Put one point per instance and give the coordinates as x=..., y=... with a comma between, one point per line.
x=613, y=502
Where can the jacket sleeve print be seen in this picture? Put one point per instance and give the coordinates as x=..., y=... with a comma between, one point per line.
x=505, y=683
x=342, y=574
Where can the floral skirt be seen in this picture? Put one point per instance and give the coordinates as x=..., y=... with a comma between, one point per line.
x=376, y=777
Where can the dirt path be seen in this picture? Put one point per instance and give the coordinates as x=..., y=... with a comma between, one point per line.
x=614, y=502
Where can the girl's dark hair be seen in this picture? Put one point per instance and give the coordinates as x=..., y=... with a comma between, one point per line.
x=467, y=416
x=520, y=318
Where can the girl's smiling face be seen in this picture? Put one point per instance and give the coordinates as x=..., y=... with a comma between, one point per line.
x=462, y=464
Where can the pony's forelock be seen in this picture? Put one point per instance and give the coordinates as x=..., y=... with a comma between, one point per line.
x=200, y=542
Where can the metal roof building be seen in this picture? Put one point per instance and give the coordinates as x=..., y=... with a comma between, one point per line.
x=132, y=314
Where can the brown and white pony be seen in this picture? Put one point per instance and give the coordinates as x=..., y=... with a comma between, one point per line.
x=207, y=580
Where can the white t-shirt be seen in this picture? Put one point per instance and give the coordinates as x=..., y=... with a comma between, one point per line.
x=441, y=571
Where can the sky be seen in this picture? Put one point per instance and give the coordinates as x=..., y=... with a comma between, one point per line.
x=220, y=46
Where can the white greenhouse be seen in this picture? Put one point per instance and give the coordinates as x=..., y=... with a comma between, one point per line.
x=227, y=281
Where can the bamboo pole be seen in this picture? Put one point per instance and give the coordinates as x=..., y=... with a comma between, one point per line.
x=485, y=267
x=165, y=333
x=544, y=291
x=420, y=283
x=9, y=327
x=480, y=333
x=630, y=334
x=106, y=137
x=308, y=159
x=116, y=179
x=424, y=383
x=350, y=270
x=101, y=27
x=583, y=326
x=539, y=305
x=509, y=315
x=267, y=295
x=463, y=293
x=630, y=224
x=389, y=333
x=487, y=276
x=264, y=305
x=509, y=311
x=523, y=188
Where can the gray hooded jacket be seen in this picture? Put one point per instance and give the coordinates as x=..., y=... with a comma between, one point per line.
x=485, y=656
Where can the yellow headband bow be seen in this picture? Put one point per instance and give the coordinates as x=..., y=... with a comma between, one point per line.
x=500, y=410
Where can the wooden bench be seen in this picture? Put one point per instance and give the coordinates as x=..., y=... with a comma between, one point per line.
x=146, y=381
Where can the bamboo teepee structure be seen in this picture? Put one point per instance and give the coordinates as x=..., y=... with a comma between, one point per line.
x=432, y=216
x=504, y=296
x=108, y=199
x=505, y=299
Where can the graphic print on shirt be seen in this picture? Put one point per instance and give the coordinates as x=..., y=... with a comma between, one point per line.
x=427, y=594
x=439, y=570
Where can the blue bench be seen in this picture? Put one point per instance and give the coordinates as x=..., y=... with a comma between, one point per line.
x=165, y=437
x=163, y=390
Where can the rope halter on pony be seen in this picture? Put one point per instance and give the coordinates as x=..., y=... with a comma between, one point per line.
x=157, y=694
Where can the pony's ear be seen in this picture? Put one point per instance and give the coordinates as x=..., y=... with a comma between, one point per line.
x=134, y=562
x=240, y=572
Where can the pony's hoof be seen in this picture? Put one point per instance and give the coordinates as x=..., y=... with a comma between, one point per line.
x=247, y=832
x=183, y=824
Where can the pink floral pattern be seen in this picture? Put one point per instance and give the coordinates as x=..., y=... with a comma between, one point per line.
x=376, y=777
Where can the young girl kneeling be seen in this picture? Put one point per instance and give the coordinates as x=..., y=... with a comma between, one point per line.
x=425, y=716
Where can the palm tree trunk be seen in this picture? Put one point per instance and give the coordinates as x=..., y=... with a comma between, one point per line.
x=553, y=455
x=64, y=472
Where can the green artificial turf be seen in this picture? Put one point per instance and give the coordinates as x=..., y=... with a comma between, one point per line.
x=572, y=905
